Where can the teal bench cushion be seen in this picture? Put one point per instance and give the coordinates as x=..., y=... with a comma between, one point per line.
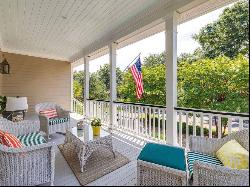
x=54, y=121
x=32, y=139
x=165, y=155
x=194, y=156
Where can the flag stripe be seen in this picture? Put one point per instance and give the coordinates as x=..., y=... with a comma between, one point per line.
x=137, y=75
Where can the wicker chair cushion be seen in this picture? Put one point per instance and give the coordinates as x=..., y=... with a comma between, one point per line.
x=54, y=121
x=169, y=156
x=9, y=140
x=50, y=113
x=194, y=156
x=233, y=155
x=32, y=139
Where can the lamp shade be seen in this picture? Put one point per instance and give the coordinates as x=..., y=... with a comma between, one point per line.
x=16, y=103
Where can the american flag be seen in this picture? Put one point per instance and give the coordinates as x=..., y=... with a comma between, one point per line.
x=137, y=74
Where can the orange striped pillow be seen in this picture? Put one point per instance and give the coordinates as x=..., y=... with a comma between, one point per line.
x=1, y=136
x=9, y=140
x=50, y=113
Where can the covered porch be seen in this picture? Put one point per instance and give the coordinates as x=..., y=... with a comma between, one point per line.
x=45, y=40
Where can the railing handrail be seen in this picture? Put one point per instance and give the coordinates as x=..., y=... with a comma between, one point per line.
x=213, y=112
x=99, y=100
x=140, y=104
x=245, y=115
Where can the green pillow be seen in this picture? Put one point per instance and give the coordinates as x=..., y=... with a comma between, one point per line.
x=165, y=155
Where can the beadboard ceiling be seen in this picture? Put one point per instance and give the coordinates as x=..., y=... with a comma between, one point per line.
x=64, y=29
x=60, y=28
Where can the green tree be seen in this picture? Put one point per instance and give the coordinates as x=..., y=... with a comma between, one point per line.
x=79, y=77
x=104, y=75
x=78, y=91
x=191, y=57
x=99, y=82
x=97, y=89
x=154, y=59
x=216, y=84
x=154, y=86
x=229, y=35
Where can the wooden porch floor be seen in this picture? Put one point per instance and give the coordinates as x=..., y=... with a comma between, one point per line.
x=124, y=176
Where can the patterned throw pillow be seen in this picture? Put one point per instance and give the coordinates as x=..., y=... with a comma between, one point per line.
x=1, y=137
x=50, y=113
x=233, y=155
x=9, y=140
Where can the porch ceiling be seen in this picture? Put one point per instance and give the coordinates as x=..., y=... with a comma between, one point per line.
x=67, y=30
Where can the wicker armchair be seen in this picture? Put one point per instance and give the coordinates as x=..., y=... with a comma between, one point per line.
x=45, y=121
x=27, y=166
x=150, y=174
x=153, y=173
x=213, y=175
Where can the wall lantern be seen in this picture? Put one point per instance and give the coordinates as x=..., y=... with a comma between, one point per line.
x=4, y=66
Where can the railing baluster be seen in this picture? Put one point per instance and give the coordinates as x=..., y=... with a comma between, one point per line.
x=142, y=116
x=164, y=125
x=102, y=111
x=194, y=124
x=121, y=107
x=180, y=128
x=150, y=122
x=146, y=122
x=154, y=123
x=124, y=117
x=187, y=130
x=229, y=125
x=119, y=116
x=127, y=117
x=202, y=124
x=159, y=124
x=131, y=118
x=241, y=123
x=137, y=120
x=134, y=119
x=219, y=126
x=210, y=126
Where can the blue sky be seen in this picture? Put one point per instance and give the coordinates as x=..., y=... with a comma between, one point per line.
x=156, y=43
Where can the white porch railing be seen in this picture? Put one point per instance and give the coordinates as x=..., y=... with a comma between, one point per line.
x=149, y=121
x=145, y=121
x=99, y=109
x=77, y=106
x=208, y=123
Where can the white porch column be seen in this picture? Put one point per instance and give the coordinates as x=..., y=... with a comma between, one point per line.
x=171, y=78
x=71, y=86
x=86, y=86
x=113, y=94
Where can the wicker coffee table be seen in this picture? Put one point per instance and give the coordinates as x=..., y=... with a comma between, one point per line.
x=85, y=143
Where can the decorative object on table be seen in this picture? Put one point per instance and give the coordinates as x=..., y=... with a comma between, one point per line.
x=208, y=174
x=17, y=116
x=53, y=125
x=161, y=165
x=14, y=107
x=4, y=65
x=80, y=125
x=96, y=126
